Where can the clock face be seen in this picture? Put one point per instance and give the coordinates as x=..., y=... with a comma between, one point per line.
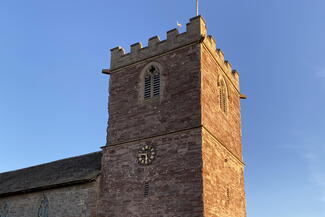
x=146, y=155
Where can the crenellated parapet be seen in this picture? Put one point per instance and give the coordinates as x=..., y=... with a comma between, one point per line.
x=195, y=30
x=218, y=55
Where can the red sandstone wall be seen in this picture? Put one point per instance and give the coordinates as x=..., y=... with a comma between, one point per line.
x=225, y=127
x=223, y=181
x=178, y=108
x=223, y=176
x=174, y=178
x=194, y=174
x=171, y=124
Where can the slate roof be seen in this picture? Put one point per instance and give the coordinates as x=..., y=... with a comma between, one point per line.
x=75, y=170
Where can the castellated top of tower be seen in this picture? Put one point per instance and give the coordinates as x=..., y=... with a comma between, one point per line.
x=195, y=30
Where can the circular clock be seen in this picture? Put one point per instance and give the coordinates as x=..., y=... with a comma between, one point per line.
x=146, y=155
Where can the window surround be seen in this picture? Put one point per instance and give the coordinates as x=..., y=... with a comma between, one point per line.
x=151, y=82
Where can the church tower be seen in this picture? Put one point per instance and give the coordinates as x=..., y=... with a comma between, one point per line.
x=174, y=138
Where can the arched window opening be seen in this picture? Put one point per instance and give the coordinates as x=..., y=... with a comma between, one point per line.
x=43, y=210
x=4, y=210
x=151, y=82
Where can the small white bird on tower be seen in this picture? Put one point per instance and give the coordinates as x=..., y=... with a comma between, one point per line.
x=178, y=25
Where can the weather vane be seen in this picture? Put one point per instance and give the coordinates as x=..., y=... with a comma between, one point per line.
x=179, y=25
x=197, y=7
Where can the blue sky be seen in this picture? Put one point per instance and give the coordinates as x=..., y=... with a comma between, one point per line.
x=54, y=98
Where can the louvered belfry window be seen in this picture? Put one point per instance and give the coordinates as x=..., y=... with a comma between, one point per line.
x=152, y=82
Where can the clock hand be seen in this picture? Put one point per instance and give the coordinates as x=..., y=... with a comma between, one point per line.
x=143, y=154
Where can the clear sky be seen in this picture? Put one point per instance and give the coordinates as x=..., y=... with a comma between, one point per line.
x=54, y=97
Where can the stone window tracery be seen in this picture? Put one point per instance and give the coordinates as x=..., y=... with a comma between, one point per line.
x=43, y=210
x=4, y=210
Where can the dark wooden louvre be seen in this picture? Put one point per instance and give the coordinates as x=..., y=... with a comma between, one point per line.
x=224, y=103
x=220, y=99
x=147, y=86
x=156, y=84
x=223, y=97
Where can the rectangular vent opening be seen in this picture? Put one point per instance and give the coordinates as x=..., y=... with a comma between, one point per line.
x=146, y=189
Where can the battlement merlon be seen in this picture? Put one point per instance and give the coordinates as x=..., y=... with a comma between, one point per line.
x=209, y=44
x=195, y=30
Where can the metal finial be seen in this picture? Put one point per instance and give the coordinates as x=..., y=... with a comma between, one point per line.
x=197, y=7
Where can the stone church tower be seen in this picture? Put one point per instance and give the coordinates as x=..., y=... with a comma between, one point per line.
x=174, y=138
